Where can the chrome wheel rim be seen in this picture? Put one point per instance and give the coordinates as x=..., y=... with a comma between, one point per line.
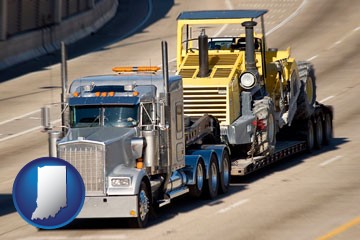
x=213, y=176
x=226, y=173
x=143, y=205
x=200, y=176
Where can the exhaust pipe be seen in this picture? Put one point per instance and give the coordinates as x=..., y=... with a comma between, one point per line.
x=165, y=68
x=64, y=82
x=250, y=45
x=166, y=130
x=203, y=54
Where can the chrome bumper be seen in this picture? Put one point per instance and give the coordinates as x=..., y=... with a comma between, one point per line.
x=109, y=207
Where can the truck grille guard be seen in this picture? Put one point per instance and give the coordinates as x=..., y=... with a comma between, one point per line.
x=89, y=159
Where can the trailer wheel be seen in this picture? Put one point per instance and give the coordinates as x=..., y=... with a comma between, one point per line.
x=212, y=183
x=225, y=174
x=196, y=190
x=318, y=133
x=310, y=138
x=143, y=207
x=328, y=130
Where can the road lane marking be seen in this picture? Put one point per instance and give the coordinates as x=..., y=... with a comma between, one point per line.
x=340, y=229
x=26, y=131
x=294, y=14
x=135, y=29
x=232, y=206
x=341, y=40
x=326, y=99
x=330, y=161
x=312, y=58
x=21, y=116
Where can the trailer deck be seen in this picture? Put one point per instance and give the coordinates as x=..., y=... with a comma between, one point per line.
x=244, y=166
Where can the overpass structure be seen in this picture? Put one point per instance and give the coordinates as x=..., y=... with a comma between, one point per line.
x=29, y=29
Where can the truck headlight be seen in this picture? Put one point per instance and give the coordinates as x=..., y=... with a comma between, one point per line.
x=120, y=182
x=247, y=80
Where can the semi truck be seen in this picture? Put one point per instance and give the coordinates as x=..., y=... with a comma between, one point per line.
x=137, y=146
x=128, y=137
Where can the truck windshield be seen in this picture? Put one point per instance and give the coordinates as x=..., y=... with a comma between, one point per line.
x=111, y=116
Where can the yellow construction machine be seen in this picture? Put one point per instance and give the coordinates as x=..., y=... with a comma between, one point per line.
x=254, y=91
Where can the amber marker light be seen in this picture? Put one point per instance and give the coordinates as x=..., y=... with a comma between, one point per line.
x=135, y=93
x=139, y=163
x=132, y=213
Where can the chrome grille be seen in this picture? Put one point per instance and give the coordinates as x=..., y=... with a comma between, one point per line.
x=205, y=100
x=89, y=160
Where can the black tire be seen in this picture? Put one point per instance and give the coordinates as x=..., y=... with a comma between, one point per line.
x=307, y=96
x=225, y=173
x=318, y=133
x=328, y=129
x=264, y=110
x=310, y=136
x=212, y=183
x=143, y=207
x=197, y=189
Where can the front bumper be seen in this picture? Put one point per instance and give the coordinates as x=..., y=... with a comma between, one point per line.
x=109, y=207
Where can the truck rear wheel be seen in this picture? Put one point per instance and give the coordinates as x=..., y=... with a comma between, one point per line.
x=225, y=173
x=196, y=190
x=328, y=130
x=318, y=133
x=143, y=207
x=212, y=183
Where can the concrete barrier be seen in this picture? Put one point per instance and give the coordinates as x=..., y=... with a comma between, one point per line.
x=35, y=43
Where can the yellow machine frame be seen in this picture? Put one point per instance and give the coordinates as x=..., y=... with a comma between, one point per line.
x=219, y=93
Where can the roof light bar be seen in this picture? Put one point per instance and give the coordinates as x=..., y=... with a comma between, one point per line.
x=136, y=69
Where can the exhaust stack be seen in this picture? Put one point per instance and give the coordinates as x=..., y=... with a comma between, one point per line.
x=64, y=82
x=203, y=54
x=250, y=45
x=165, y=68
x=166, y=130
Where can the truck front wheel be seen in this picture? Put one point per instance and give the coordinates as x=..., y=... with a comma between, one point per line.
x=143, y=207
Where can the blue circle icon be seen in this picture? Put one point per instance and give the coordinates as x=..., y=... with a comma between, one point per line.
x=48, y=193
